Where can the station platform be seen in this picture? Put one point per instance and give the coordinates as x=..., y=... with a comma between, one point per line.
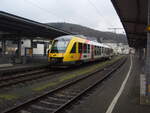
x=6, y=68
x=31, y=62
x=103, y=99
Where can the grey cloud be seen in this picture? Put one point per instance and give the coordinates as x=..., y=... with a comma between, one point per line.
x=72, y=11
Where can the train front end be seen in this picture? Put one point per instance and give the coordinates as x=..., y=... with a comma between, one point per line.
x=57, y=51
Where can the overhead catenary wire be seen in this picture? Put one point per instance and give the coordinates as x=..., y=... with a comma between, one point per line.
x=100, y=14
x=64, y=19
x=52, y=13
x=44, y=10
x=107, y=21
x=84, y=17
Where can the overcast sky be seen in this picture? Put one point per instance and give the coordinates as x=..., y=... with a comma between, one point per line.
x=97, y=14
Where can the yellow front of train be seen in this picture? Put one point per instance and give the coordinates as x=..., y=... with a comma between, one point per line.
x=63, y=51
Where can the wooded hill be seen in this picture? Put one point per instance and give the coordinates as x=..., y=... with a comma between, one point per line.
x=106, y=37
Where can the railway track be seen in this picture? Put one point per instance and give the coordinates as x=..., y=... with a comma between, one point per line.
x=26, y=75
x=58, y=99
x=18, y=70
x=9, y=80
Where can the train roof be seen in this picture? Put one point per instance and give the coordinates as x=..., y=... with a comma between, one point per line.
x=69, y=37
x=99, y=44
x=66, y=37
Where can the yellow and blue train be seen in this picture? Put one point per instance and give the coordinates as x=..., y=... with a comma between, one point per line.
x=66, y=50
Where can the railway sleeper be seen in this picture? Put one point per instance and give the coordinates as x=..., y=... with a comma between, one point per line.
x=39, y=109
x=55, y=101
x=62, y=97
x=45, y=104
x=61, y=100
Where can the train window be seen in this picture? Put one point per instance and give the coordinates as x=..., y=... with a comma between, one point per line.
x=85, y=48
x=106, y=51
x=59, y=46
x=80, y=47
x=102, y=50
x=98, y=50
x=109, y=51
x=73, y=50
x=88, y=48
x=95, y=50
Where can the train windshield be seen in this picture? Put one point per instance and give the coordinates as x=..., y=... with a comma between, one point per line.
x=59, y=46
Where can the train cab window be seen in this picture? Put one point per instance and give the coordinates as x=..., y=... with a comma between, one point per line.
x=80, y=47
x=73, y=50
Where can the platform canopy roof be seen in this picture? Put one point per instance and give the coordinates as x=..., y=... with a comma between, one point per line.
x=15, y=26
x=133, y=15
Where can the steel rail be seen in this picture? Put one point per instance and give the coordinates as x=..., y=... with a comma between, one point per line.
x=22, y=105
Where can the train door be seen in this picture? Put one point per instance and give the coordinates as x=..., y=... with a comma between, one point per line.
x=73, y=55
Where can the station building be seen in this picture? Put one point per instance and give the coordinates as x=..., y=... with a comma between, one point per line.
x=23, y=40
